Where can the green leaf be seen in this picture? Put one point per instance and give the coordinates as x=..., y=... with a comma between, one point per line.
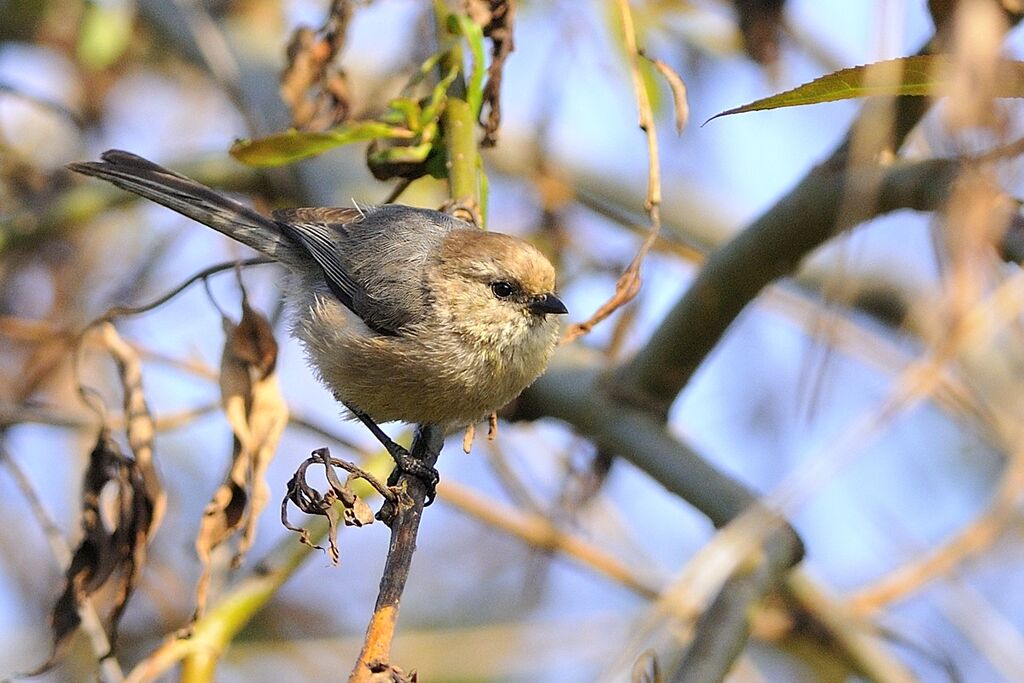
x=292, y=145
x=474, y=35
x=104, y=34
x=927, y=75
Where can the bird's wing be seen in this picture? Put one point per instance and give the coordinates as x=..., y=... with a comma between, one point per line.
x=321, y=231
x=372, y=258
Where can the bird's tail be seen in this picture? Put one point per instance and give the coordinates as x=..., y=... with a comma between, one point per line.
x=200, y=203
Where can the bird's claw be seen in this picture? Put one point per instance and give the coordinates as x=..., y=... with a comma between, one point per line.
x=414, y=467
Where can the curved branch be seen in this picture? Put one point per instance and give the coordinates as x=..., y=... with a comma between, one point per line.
x=575, y=390
x=770, y=248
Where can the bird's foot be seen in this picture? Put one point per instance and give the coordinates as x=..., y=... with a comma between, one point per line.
x=404, y=462
x=414, y=467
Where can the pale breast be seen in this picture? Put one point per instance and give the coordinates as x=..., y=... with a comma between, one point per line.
x=422, y=376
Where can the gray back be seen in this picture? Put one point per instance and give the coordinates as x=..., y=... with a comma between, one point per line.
x=374, y=259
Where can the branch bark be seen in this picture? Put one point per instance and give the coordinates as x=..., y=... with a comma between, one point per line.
x=772, y=247
x=373, y=665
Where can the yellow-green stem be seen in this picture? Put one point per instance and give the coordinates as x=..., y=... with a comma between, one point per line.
x=458, y=121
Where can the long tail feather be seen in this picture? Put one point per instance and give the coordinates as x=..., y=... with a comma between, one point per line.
x=200, y=203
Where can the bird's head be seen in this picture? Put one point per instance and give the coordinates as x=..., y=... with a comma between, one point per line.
x=498, y=290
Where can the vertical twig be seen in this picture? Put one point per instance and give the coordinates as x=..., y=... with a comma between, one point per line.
x=374, y=658
x=628, y=284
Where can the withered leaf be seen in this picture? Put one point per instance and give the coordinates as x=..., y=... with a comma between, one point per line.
x=315, y=90
x=354, y=510
x=140, y=427
x=258, y=414
x=112, y=552
x=678, y=88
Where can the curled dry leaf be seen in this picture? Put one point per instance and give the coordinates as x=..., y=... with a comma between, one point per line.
x=112, y=551
x=495, y=17
x=353, y=510
x=257, y=413
x=678, y=88
x=315, y=90
x=114, y=542
x=140, y=427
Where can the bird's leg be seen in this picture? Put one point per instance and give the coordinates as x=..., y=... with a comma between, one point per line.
x=405, y=463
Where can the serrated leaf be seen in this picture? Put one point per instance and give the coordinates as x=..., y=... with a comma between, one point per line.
x=924, y=75
x=293, y=145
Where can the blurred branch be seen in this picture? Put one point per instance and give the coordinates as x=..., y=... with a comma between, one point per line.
x=211, y=634
x=721, y=633
x=770, y=248
x=944, y=559
x=774, y=245
x=576, y=390
x=87, y=420
x=539, y=532
x=628, y=284
x=856, y=639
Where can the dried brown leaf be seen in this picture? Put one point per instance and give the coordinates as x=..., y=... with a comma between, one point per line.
x=678, y=88
x=257, y=413
x=140, y=426
x=112, y=551
x=315, y=90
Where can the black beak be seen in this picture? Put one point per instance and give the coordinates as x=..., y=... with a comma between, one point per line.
x=547, y=303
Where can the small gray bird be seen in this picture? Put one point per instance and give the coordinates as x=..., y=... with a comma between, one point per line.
x=405, y=313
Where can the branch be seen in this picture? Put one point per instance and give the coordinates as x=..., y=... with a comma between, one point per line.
x=770, y=248
x=212, y=633
x=374, y=660
x=574, y=389
x=773, y=246
x=721, y=632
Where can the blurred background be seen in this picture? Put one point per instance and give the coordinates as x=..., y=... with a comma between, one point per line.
x=802, y=384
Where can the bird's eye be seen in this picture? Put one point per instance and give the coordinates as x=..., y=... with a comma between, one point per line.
x=502, y=289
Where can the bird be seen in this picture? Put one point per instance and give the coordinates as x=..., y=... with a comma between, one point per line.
x=405, y=314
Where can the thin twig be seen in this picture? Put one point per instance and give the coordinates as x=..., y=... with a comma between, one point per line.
x=628, y=284
x=375, y=656
x=120, y=311
x=970, y=541
x=539, y=532
x=74, y=419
